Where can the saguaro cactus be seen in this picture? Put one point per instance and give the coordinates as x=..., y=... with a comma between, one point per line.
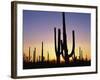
x=34, y=55
x=42, y=57
x=80, y=54
x=62, y=44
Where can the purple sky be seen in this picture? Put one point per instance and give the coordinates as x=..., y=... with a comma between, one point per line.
x=39, y=26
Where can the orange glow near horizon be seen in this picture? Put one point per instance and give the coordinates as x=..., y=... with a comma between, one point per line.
x=49, y=47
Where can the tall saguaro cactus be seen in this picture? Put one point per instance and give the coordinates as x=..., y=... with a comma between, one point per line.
x=64, y=34
x=62, y=44
x=66, y=57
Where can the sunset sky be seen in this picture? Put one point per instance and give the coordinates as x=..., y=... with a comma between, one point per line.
x=39, y=26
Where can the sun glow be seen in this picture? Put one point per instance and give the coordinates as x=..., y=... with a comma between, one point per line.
x=48, y=48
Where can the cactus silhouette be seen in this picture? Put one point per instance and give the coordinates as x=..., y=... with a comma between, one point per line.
x=57, y=49
x=42, y=57
x=80, y=54
x=39, y=58
x=65, y=54
x=29, y=55
x=48, y=57
x=62, y=44
x=34, y=55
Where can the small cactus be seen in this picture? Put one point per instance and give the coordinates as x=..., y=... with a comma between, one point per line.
x=34, y=55
x=29, y=54
x=42, y=57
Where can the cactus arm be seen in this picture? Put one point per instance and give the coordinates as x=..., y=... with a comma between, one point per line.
x=59, y=34
x=73, y=48
x=57, y=50
x=55, y=39
x=61, y=47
